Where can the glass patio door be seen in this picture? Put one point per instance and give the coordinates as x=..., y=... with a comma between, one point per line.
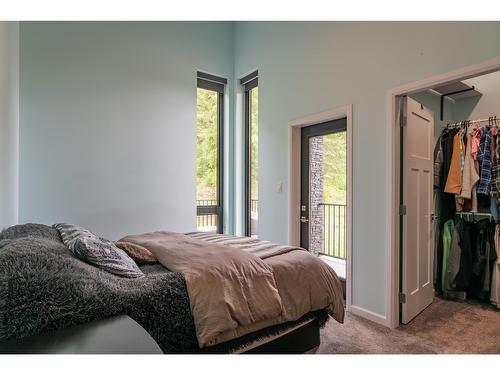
x=324, y=189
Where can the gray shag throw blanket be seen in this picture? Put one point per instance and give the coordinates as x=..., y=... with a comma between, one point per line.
x=44, y=287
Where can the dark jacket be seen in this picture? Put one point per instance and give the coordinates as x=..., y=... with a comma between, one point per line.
x=464, y=276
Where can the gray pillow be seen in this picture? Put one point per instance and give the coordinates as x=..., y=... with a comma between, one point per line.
x=97, y=251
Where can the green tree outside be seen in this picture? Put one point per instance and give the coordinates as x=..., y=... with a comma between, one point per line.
x=254, y=167
x=207, y=136
x=335, y=168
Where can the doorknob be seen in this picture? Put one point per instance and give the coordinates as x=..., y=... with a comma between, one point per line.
x=303, y=219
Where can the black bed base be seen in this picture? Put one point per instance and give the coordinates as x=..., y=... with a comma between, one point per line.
x=295, y=337
x=298, y=341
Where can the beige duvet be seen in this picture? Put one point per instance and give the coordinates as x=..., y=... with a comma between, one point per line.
x=234, y=292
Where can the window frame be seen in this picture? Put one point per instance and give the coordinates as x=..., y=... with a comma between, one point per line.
x=249, y=82
x=213, y=83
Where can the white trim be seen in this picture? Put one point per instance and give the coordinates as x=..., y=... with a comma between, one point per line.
x=370, y=315
x=294, y=136
x=392, y=262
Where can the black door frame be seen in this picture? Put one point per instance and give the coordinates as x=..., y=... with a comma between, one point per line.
x=324, y=128
x=213, y=83
x=249, y=82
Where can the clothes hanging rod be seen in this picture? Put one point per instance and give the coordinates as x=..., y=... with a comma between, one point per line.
x=459, y=123
x=474, y=213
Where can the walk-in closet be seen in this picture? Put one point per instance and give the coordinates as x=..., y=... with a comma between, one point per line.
x=450, y=189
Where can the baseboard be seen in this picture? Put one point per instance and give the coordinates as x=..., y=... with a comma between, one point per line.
x=370, y=315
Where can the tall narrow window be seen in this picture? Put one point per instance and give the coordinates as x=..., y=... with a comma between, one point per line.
x=251, y=83
x=209, y=168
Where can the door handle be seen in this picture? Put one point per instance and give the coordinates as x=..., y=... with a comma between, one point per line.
x=303, y=219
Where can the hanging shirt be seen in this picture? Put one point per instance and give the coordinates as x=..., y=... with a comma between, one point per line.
x=495, y=171
x=461, y=143
x=493, y=140
x=446, y=201
x=454, y=181
x=438, y=162
x=484, y=157
x=476, y=140
x=470, y=175
x=460, y=202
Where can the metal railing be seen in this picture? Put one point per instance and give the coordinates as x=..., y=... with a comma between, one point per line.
x=254, y=203
x=334, y=230
x=206, y=202
x=206, y=223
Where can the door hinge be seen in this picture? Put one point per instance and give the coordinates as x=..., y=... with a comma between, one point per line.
x=402, y=209
x=402, y=298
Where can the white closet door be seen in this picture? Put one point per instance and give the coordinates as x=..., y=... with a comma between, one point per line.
x=417, y=266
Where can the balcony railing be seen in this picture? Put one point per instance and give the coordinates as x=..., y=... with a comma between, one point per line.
x=334, y=230
x=334, y=225
x=206, y=223
x=206, y=202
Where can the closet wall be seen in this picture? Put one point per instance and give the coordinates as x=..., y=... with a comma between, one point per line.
x=484, y=106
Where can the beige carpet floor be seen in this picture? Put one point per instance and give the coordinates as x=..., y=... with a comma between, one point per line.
x=444, y=327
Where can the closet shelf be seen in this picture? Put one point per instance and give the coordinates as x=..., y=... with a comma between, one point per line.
x=455, y=91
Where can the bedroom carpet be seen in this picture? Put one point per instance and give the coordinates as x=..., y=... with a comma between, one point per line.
x=446, y=327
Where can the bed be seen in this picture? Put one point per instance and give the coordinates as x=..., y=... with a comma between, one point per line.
x=44, y=287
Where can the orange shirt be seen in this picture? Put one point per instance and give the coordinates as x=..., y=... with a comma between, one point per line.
x=454, y=181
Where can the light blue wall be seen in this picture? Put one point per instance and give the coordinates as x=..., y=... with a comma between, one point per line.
x=485, y=105
x=306, y=68
x=107, y=119
x=108, y=122
x=9, y=123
